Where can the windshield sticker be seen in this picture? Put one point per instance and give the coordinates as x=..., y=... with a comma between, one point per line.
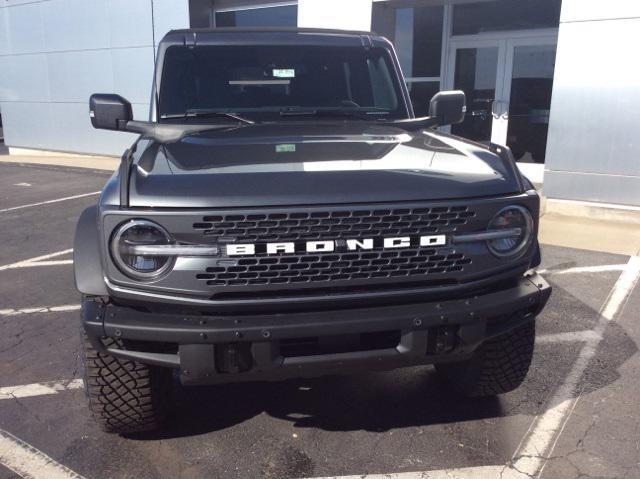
x=284, y=73
x=286, y=148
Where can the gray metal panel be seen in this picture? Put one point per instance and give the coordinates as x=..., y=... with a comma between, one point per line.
x=55, y=53
x=24, y=78
x=24, y=28
x=168, y=15
x=130, y=23
x=74, y=76
x=4, y=32
x=75, y=24
x=573, y=185
x=63, y=127
x=133, y=63
x=25, y=124
x=594, y=113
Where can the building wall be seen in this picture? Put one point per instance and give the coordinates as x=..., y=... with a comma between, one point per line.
x=55, y=53
x=593, y=152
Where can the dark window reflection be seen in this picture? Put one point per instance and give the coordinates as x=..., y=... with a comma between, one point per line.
x=421, y=93
x=416, y=32
x=475, y=74
x=505, y=15
x=530, y=101
x=284, y=16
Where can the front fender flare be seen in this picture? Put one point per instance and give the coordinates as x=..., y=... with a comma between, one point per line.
x=87, y=266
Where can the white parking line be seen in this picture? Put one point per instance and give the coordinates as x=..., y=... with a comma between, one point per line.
x=480, y=472
x=584, y=269
x=540, y=440
x=39, y=261
x=29, y=462
x=39, y=389
x=573, y=336
x=58, y=200
x=44, y=263
x=40, y=309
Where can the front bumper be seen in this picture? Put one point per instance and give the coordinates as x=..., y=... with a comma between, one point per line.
x=210, y=348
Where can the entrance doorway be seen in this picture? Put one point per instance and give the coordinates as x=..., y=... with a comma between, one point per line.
x=508, y=79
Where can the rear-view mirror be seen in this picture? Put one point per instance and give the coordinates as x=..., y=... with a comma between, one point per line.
x=109, y=111
x=448, y=107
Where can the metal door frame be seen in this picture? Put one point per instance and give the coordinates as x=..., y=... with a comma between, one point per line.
x=506, y=42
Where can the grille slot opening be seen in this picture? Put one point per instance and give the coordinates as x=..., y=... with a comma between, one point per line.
x=344, y=343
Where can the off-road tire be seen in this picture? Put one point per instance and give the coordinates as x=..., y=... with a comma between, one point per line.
x=498, y=366
x=124, y=396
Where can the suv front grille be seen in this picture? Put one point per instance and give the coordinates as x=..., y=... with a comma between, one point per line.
x=306, y=268
x=346, y=268
x=330, y=225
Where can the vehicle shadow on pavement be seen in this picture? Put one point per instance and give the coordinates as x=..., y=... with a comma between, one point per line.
x=373, y=402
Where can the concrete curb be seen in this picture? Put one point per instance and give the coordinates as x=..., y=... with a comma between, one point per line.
x=74, y=161
x=594, y=211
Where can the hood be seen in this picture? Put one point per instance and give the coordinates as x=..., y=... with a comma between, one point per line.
x=308, y=164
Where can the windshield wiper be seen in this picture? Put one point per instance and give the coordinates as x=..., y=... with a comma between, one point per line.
x=361, y=114
x=196, y=113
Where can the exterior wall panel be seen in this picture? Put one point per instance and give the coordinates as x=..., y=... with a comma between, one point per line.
x=25, y=78
x=130, y=23
x=24, y=28
x=169, y=14
x=593, y=145
x=71, y=25
x=55, y=53
x=133, y=63
x=75, y=75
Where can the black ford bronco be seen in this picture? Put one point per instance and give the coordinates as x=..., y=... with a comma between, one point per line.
x=285, y=214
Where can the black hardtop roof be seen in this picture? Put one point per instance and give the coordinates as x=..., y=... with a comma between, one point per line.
x=233, y=34
x=240, y=30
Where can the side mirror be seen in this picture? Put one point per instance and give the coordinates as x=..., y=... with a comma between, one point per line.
x=109, y=112
x=448, y=107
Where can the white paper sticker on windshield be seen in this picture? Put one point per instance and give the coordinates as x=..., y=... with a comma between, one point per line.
x=284, y=73
x=286, y=148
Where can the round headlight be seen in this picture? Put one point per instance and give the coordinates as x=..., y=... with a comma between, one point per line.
x=127, y=249
x=514, y=228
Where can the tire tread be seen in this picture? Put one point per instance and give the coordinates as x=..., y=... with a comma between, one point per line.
x=498, y=366
x=124, y=396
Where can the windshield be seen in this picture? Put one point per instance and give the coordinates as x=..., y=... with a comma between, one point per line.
x=270, y=81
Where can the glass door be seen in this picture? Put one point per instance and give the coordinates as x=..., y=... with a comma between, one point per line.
x=476, y=68
x=508, y=82
x=527, y=89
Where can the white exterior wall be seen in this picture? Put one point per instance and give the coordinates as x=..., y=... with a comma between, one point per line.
x=335, y=14
x=55, y=53
x=593, y=152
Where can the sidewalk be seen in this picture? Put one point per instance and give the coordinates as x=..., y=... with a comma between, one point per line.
x=595, y=234
x=76, y=161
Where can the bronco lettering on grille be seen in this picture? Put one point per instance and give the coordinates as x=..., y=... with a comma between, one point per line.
x=249, y=249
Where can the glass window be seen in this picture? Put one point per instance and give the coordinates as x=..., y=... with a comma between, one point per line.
x=281, y=16
x=421, y=93
x=475, y=74
x=502, y=15
x=530, y=102
x=416, y=32
x=268, y=79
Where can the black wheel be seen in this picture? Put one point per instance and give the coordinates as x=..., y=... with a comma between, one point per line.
x=124, y=396
x=498, y=366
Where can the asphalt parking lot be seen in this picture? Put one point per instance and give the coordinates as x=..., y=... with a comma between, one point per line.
x=577, y=414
